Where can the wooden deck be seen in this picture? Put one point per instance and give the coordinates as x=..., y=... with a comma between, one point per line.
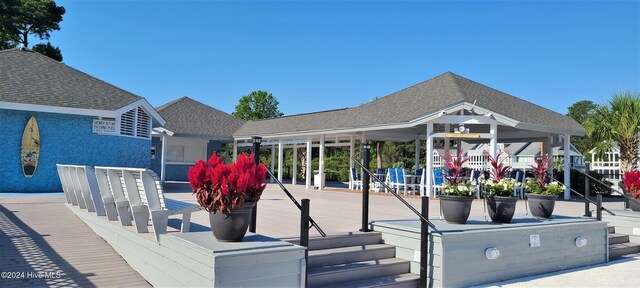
x=39, y=234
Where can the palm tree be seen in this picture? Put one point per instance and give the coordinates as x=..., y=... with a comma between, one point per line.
x=618, y=123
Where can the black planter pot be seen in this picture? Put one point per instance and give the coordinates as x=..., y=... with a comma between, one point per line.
x=501, y=209
x=231, y=228
x=541, y=206
x=456, y=209
x=634, y=203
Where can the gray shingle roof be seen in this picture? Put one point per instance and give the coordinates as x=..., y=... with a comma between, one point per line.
x=189, y=117
x=422, y=99
x=31, y=78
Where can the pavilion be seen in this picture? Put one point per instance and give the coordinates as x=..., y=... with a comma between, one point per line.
x=448, y=107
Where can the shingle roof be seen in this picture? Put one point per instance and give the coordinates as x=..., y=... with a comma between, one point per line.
x=189, y=117
x=419, y=100
x=31, y=78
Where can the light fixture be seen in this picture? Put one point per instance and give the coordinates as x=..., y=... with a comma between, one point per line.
x=366, y=146
x=442, y=113
x=256, y=139
x=581, y=241
x=492, y=253
x=462, y=129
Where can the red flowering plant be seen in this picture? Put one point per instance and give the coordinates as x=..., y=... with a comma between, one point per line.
x=499, y=184
x=539, y=185
x=632, y=183
x=455, y=184
x=219, y=187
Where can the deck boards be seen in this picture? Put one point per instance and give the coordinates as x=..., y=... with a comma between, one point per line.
x=39, y=234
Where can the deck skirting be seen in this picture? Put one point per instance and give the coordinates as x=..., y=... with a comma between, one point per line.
x=196, y=259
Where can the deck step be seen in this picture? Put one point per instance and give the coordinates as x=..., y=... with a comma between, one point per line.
x=340, y=240
x=611, y=229
x=402, y=280
x=341, y=273
x=615, y=238
x=616, y=251
x=325, y=257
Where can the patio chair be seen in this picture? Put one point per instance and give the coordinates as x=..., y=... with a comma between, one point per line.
x=392, y=178
x=519, y=189
x=438, y=182
x=161, y=210
x=475, y=178
x=416, y=181
x=122, y=203
x=139, y=210
x=88, y=182
x=86, y=194
x=355, y=182
x=66, y=188
x=75, y=188
x=400, y=181
x=105, y=193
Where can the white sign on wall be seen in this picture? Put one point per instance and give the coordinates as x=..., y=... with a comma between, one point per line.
x=104, y=126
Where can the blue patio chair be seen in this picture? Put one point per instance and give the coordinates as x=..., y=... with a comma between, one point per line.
x=475, y=178
x=355, y=182
x=438, y=182
x=400, y=181
x=519, y=189
x=392, y=178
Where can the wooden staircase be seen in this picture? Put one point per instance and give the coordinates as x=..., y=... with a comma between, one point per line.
x=356, y=259
x=620, y=245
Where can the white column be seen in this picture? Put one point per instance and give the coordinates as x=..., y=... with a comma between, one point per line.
x=351, y=150
x=447, y=142
x=321, y=163
x=273, y=160
x=550, y=155
x=567, y=166
x=429, y=156
x=280, y=160
x=294, y=177
x=235, y=150
x=163, y=157
x=493, y=143
x=417, y=154
x=308, y=171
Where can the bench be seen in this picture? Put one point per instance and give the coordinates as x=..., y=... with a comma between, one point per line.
x=80, y=187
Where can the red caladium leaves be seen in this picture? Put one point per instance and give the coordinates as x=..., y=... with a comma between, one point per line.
x=540, y=170
x=499, y=171
x=220, y=187
x=454, y=166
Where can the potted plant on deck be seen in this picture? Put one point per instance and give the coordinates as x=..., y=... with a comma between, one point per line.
x=632, y=189
x=228, y=193
x=542, y=193
x=457, y=195
x=499, y=191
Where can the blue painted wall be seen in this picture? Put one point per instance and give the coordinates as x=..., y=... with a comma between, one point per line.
x=65, y=139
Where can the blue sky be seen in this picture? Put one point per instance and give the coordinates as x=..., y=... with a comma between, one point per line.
x=323, y=55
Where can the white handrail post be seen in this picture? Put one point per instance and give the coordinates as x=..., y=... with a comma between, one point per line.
x=308, y=170
x=294, y=177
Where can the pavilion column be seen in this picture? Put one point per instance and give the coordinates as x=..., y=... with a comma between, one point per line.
x=351, y=151
x=447, y=142
x=549, y=153
x=567, y=166
x=280, y=160
x=294, y=177
x=273, y=160
x=417, y=154
x=163, y=157
x=308, y=170
x=493, y=143
x=321, y=163
x=429, y=156
x=235, y=150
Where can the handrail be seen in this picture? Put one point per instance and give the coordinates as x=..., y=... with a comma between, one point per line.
x=603, y=184
x=313, y=223
x=585, y=197
x=376, y=179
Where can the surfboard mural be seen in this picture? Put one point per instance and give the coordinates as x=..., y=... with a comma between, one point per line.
x=30, y=150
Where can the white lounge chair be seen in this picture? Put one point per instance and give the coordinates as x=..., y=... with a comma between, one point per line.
x=121, y=201
x=90, y=189
x=68, y=192
x=139, y=210
x=355, y=182
x=77, y=192
x=105, y=193
x=160, y=213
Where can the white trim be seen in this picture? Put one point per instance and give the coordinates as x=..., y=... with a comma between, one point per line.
x=57, y=109
x=155, y=116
